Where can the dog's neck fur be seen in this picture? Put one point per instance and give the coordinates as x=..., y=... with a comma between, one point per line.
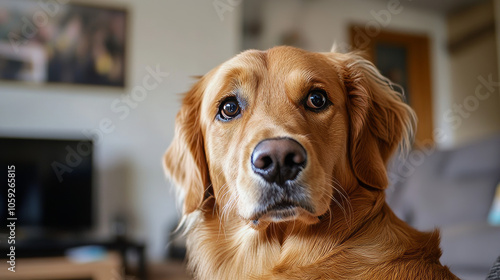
x=221, y=247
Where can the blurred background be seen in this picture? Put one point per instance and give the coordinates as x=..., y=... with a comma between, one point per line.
x=89, y=92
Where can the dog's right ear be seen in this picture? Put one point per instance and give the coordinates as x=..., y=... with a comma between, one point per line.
x=185, y=162
x=380, y=120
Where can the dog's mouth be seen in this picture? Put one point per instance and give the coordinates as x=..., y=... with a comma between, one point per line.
x=282, y=203
x=281, y=211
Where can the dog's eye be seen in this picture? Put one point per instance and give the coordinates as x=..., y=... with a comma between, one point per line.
x=229, y=109
x=316, y=100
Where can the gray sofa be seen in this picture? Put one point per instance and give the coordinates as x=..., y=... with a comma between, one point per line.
x=452, y=190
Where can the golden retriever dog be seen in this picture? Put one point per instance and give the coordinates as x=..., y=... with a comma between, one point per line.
x=280, y=156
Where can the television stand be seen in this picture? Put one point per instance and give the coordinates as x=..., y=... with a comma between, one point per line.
x=62, y=268
x=53, y=248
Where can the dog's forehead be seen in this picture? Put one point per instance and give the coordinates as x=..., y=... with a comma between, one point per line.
x=276, y=67
x=276, y=61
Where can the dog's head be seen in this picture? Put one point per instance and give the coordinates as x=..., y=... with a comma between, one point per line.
x=272, y=135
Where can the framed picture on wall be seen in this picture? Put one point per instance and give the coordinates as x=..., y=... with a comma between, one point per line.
x=404, y=59
x=62, y=42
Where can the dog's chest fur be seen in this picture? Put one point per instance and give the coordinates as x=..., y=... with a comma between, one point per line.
x=329, y=250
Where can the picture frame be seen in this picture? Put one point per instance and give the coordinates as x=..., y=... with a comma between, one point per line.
x=63, y=42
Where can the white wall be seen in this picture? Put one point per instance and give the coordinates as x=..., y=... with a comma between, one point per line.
x=326, y=21
x=181, y=37
x=475, y=101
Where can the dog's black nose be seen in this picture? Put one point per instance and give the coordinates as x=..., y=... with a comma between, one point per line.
x=278, y=160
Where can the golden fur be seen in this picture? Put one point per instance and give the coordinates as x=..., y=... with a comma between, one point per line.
x=351, y=233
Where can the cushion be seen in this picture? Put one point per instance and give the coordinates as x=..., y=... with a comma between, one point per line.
x=475, y=159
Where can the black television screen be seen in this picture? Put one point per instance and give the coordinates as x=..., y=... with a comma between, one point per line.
x=53, y=183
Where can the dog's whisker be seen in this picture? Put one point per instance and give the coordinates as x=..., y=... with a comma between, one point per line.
x=230, y=204
x=347, y=211
x=341, y=191
x=344, y=197
x=225, y=191
x=332, y=198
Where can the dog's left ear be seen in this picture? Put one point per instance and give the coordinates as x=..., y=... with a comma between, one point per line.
x=185, y=160
x=379, y=119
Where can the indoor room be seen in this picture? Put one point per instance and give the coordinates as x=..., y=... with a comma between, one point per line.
x=90, y=91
